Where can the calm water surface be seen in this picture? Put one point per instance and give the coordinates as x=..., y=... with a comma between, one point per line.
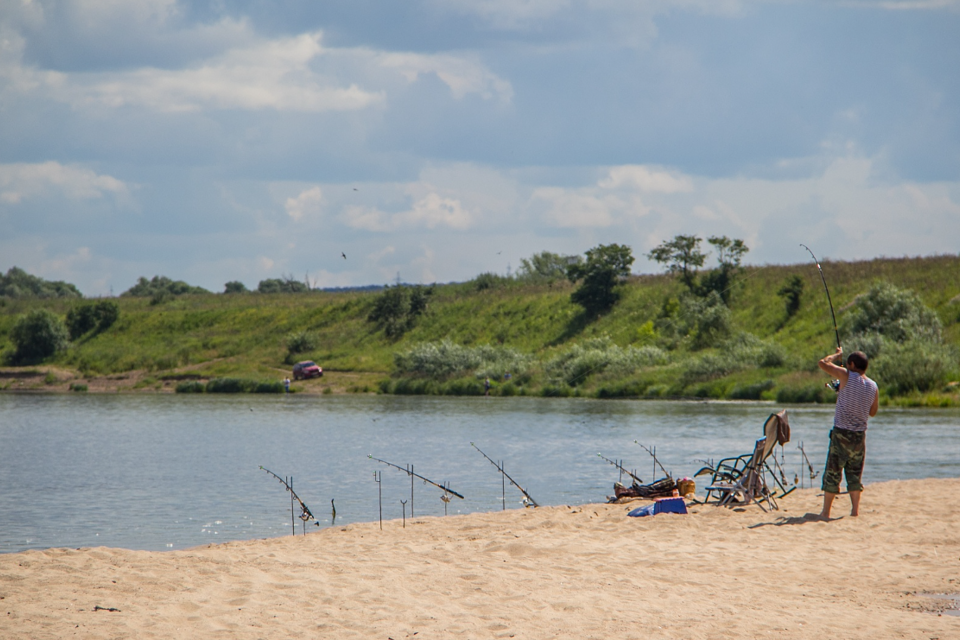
x=170, y=472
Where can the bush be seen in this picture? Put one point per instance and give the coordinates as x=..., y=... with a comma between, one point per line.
x=912, y=366
x=600, y=354
x=190, y=386
x=17, y=283
x=86, y=317
x=814, y=393
x=38, y=335
x=445, y=359
x=235, y=286
x=752, y=391
x=78, y=386
x=159, y=288
x=301, y=342
x=743, y=351
x=286, y=285
x=896, y=314
x=243, y=385
x=396, y=309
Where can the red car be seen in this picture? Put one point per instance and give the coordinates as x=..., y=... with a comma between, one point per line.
x=306, y=369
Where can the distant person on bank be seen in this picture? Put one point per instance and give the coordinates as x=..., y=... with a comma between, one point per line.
x=857, y=402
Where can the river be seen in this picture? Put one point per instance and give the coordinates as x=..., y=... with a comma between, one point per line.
x=160, y=472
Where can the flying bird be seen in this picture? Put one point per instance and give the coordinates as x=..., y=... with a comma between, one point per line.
x=344, y=255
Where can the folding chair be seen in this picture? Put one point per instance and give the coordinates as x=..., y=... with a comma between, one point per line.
x=743, y=479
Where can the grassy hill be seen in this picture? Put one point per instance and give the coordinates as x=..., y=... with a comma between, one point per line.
x=551, y=347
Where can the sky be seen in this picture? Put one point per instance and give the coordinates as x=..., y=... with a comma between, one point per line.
x=434, y=140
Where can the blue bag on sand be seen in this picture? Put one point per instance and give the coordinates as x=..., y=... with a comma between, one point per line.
x=639, y=512
x=661, y=505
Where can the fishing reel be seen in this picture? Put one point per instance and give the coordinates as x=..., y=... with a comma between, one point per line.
x=833, y=384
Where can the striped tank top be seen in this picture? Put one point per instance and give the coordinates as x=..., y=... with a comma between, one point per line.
x=854, y=401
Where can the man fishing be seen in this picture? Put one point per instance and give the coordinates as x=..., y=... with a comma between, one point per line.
x=857, y=401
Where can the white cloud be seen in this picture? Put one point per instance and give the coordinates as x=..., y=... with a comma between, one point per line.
x=274, y=74
x=431, y=211
x=20, y=181
x=307, y=203
x=576, y=210
x=646, y=179
x=461, y=74
x=435, y=211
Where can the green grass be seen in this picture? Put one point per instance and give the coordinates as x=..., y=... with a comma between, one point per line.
x=211, y=336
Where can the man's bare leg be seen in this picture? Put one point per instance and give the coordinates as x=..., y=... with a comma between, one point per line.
x=828, y=502
x=855, y=501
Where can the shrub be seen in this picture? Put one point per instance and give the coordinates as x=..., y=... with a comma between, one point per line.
x=81, y=320
x=235, y=286
x=17, y=283
x=814, y=393
x=227, y=385
x=301, y=342
x=78, y=386
x=267, y=386
x=912, y=366
x=792, y=294
x=160, y=287
x=743, y=351
x=285, y=285
x=441, y=360
x=38, y=335
x=600, y=354
x=752, y=391
x=190, y=386
x=396, y=309
x=243, y=385
x=896, y=314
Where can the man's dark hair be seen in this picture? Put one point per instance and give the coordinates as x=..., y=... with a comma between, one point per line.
x=859, y=360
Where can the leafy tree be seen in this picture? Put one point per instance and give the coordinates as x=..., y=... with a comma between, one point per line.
x=722, y=279
x=545, y=267
x=682, y=255
x=81, y=320
x=235, y=286
x=792, y=292
x=160, y=286
x=396, y=309
x=285, y=285
x=38, y=335
x=17, y=283
x=600, y=274
x=108, y=312
x=99, y=316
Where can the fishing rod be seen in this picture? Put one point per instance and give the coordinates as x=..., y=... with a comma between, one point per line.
x=621, y=467
x=305, y=514
x=655, y=461
x=417, y=475
x=527, y=496
x=824, y=280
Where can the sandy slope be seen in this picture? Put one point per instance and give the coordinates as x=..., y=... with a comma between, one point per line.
x=558, y=572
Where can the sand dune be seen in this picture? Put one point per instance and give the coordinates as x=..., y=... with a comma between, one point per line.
x=555, y=572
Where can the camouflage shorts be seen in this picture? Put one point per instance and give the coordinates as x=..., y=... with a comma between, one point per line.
x=845, y=457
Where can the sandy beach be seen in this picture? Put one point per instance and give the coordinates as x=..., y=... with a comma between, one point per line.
x=585, y=571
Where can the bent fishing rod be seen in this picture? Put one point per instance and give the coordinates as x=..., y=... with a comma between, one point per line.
x=305, y=514
x=499, y=467
x=824, y=280
x=417, y=475
x=621, y=467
